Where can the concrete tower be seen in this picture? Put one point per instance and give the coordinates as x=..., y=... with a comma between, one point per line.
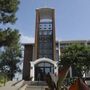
x=45, y=34
x=41, y=58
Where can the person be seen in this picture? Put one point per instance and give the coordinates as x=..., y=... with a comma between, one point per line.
x=38, y=77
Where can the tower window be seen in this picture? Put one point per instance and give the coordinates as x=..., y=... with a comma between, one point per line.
x=44, y=33
x=49, y=28
x=45, y=25
x=45, y=28
x=40, y=28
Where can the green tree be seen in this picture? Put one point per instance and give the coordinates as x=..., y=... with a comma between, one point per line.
x=9, y=38
x=11, y=55
x=8, y=10
x=78, y=56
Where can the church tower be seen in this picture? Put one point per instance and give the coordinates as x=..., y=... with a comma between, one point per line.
x=45, y=34
x=41, y=57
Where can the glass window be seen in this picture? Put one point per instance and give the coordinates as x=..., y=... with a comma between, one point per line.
x=45, y=25
x=45, y=55
x=40, y=25
x=40, y=56
x=40, y=28
x=41, y=45
x=45, y=33
x=42, y=69
x=47, y=70
x=44, y=64
x=49, y=25
x=49, y=28
x=45, y=28
x=40, y=33
x=50, y=33
x=52, y=69
x=47, y=64
x=41, y=64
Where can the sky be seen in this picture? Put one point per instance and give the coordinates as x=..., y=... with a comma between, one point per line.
x=72, y=18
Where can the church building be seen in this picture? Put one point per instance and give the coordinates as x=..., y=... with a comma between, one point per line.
x=42, y=56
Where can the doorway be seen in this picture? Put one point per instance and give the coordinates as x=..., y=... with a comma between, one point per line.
x=41, y=69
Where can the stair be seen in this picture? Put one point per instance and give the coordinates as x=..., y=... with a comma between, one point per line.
x=36, y=85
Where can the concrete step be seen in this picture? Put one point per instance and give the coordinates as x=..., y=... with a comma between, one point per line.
x=24, y=85
x=36, y=88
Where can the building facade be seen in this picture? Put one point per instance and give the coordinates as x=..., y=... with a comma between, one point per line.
x=64, y=44
x=42, y=56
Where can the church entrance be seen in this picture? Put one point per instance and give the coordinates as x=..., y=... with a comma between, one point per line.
x=41, y=69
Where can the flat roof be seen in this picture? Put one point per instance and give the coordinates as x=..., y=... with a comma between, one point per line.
x=28, y=44
x=75, y=41
x=45, y=13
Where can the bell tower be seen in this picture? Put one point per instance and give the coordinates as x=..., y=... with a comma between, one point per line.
x=45, y=34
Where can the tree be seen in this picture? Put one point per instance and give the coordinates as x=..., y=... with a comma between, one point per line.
x=8, y=10
x=9, y=38
x=11, y=56
x=78, y=56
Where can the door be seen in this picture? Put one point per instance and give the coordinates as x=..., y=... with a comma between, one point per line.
x=41, y=69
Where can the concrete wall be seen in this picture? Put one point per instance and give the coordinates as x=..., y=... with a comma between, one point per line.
x=28, y=56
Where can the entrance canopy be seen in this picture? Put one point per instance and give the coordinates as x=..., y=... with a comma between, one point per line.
x=42, y=66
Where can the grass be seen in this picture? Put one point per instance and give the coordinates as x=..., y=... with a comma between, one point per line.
x=3, y=79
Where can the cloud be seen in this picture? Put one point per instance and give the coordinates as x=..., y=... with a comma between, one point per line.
x=26, y=39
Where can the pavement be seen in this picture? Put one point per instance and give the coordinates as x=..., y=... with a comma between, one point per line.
x=14, y=85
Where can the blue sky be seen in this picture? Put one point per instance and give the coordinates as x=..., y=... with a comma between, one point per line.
x=72, y=18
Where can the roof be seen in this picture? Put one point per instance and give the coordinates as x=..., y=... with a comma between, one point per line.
x=45, y=13
x=27, y=44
